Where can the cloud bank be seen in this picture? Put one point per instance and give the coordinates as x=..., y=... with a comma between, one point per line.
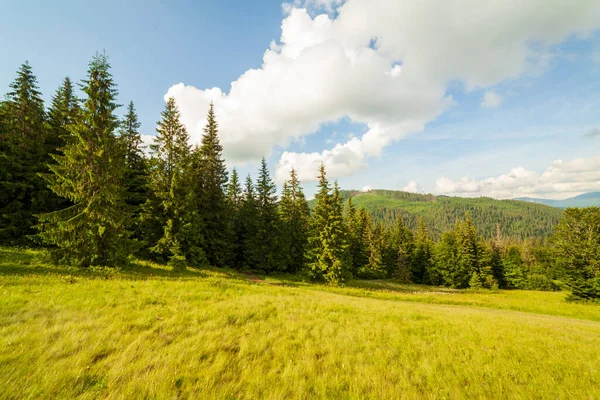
x=560, y=180
x=383, y=63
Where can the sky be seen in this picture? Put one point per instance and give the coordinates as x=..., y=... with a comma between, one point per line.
x=461, y=97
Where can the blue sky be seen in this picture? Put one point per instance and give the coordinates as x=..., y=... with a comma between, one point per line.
x=542, y=112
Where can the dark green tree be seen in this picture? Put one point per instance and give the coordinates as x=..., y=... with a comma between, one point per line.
x=213, y=206
x=23, y=157
x=375, y=267
x=577, y=243
x=265, y=245
x=136, y=169
x=422, y=255
x=248, y=226
x=328, y=251
x=235, y=202
x=165, y=212
x=295, y=215
x=89, y=174
x=63, y=112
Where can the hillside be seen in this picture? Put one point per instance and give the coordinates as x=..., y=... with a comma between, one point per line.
x=517, y=219
x=584, y=200
x=150, y=332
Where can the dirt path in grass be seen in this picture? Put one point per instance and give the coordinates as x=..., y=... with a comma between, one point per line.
x=253, y=278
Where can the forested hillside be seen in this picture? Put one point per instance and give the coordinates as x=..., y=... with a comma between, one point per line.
x=591, y=199
x=517, y=219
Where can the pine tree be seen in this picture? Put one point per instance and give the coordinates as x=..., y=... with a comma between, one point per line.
x=23, y=157
x=213, y=207
x=235, y=201
x=328, y=255
x=63, y=112
x=265, y=245
x=445, y=254
x=167, y=204
x=359, y=226
x=402, y=270
x=469, y=251
x=475, y=281
x=248, y=226
x=295, y=215
x=422, y=255
x=89, y=174
x=376, y=267
x=400, y=240
x=136, y=168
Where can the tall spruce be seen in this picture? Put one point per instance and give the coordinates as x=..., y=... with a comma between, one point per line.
x=213, y=207
x=422, y=254
x=23, y=157
x=63, y=112
x=266, y=245
x=165, y=211
x=248, y=219
x=89, y=174
x=328, y=254
x=295, y=214
x=469, y=252
x=136, y=168
x=234, y=201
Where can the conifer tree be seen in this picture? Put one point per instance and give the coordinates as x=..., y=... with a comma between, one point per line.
x=422, y=254
x=23, y=157
x=357, y=236
x=265, y=245
x=400, y=240
x=248, y=226
x=213, y=206
x=469, y=251
x=63, y=112
x=234, y=201
x=328, y=254
x=165, y=211
x=295, y=214
x=376, y=267
x=136, y=168
x=89, y=174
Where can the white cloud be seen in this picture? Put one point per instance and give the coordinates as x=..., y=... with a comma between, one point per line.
x=491, y=99
x=413, y=187
x=367, y=188
x=323, y=68
x=560, y=180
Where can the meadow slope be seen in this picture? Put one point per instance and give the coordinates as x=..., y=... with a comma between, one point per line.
x=149, y=332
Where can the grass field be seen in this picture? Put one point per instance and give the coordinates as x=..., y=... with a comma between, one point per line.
x=149, y=332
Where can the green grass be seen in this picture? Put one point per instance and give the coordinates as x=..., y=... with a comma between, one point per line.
x=149, y=332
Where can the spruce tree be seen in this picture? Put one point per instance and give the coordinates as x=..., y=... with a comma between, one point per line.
x=234, y=201
x=469, y=252
x=213, y=206
x=265, y=245
x=248, y=226
x=376, y=267
x=136, y=168
x=89, y=174
x=23, y=157
x=295, y=214
x=167, y=206
x=328, y=254
x=63, y=112
x=400, y=241
x=422, y=255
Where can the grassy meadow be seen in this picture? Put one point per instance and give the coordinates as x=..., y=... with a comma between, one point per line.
x=150, y=332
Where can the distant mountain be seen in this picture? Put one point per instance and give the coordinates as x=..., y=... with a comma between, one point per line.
x=583, y=200
x=517, y=219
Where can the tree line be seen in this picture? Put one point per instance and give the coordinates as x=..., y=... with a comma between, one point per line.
x=75, y=179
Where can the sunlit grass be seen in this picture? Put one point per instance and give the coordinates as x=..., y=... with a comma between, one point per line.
x=149, y=332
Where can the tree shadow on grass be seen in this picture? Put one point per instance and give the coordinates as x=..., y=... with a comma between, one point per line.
x=25, y=262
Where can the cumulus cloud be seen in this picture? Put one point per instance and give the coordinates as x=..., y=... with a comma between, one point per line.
x=491, y=99
x=560, y=180
x=382, y=63
x=367, y=188
x=412, y=187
